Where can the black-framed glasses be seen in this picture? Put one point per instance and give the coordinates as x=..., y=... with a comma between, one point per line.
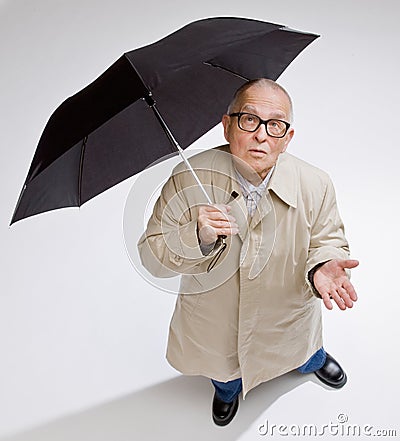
x=276, y=128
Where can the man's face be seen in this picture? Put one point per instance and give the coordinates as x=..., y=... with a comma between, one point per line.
x=257, y=149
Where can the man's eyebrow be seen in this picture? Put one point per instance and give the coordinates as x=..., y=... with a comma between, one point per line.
x=250, y=108
x=277, y=114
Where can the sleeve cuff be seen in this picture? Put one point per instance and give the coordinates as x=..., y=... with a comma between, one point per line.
x=310, y=277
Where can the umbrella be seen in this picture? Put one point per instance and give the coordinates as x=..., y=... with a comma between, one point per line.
x=149, y=103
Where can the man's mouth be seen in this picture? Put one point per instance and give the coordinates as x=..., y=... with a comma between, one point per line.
x=258, y=151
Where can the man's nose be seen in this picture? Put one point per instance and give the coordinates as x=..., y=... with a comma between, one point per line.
x=261, y=133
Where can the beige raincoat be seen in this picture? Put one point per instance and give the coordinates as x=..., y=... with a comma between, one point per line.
x=254, y=314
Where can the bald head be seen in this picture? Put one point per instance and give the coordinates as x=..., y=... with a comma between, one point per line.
x=262, y=83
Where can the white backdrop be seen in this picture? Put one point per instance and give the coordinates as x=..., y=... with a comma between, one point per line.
x=82, y=335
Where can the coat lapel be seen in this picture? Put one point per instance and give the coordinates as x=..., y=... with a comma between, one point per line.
x=283, y=184
x=284, y=180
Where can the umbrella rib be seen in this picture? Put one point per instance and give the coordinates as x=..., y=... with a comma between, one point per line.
x=81, y=170
x=226, y=70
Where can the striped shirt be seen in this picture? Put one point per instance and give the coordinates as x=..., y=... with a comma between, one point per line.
x=251, y=193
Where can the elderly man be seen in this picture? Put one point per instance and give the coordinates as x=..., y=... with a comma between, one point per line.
x=255, y=265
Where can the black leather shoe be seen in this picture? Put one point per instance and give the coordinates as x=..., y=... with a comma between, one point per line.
x=222, y=412
x=331, y=373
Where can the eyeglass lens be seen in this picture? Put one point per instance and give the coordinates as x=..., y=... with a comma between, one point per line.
x=250, y=123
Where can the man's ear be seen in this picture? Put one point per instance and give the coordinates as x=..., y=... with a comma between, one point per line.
x=226, y=121
x=288, y=138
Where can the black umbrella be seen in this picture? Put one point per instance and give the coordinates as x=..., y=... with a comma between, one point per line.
x=124, y=121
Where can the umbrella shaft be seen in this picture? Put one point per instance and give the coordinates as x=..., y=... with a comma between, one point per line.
x=178, y=147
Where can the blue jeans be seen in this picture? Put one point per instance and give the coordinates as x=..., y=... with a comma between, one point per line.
x=230, y=390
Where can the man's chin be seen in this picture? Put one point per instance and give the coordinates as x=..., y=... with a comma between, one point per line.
x=252, y=171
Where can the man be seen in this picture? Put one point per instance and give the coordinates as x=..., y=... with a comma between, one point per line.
x=255, y=264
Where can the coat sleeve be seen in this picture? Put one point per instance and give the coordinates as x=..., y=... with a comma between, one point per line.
x=170, y=246
x=327, y=240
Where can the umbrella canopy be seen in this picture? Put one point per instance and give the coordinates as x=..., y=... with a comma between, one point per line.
x=107, y=132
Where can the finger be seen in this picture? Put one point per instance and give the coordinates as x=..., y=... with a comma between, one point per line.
x=336, y=297
x=220, y=207
x=350, y=290
x=207, y=209
x=217, y=215
x=222, y=224
x=221, y=227
x=208, y=234
x=215, y=219
x=348, y=263
x=345, y=297
x=226, y=231
x=327, y=301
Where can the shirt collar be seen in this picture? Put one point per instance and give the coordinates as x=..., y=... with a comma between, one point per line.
x=247, y=187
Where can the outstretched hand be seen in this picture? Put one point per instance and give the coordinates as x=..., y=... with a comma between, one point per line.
x=331, y=282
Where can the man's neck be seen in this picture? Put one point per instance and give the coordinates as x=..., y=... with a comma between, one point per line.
x=250, y=174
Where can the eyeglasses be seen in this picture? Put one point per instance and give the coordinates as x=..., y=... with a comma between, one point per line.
x=276, y=128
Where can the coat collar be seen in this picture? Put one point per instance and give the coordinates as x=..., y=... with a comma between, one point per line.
x=283, y=181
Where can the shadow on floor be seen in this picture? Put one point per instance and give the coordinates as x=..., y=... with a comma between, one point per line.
x=178, y=409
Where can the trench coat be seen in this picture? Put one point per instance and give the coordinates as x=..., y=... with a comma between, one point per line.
x=255, y=314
